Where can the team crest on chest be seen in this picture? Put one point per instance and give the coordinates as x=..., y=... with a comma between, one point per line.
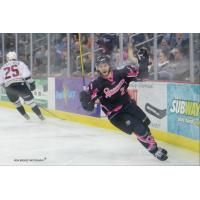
x=110, y=92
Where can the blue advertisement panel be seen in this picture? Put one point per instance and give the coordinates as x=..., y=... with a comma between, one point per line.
x=67, y=96
x=183, y=109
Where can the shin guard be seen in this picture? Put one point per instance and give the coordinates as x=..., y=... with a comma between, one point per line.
x=148, y=142
x=36, y=110
x=21, y=110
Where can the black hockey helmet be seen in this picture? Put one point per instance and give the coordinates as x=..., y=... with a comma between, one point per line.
x=102, y=59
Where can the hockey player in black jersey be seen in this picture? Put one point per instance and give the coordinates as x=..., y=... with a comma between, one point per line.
x=110, y=89
x=15, y=77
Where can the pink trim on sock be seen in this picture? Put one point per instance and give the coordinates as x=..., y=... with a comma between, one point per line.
x=148, y=140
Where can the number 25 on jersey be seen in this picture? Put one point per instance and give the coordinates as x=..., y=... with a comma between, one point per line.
x=11, y=72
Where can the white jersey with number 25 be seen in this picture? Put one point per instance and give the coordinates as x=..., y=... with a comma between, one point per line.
x=13, y=72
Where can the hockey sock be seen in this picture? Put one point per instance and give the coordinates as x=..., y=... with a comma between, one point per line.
x=36, y=110
x=21, y=110
x=148, y=142
x=34, y=107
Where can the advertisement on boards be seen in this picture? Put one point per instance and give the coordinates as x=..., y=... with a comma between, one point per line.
x=151, y=97
x=67, y=96
x=184, y=109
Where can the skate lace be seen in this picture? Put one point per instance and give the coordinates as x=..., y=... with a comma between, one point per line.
x=159, y=153
x=151, y=142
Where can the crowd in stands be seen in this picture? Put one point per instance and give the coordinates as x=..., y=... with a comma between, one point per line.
x=173, y=58
x=172, y=53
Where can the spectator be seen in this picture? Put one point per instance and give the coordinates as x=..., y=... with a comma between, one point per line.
x=60, y=46
x=164, y=44
x=40, y=62
x=165, y=70
x=179, y=40
x=131, y=54
x=41, y=57
x=108, y=41
x=151, y=66
x=64, y=58
x=138, y=38
x=125, y=40
x=163, y=58
x=181, y=64
x=176, y=69
x=115, y=58
x=87, y=63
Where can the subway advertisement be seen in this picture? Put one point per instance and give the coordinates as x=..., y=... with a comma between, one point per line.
x=171, y=107
x=184, y=109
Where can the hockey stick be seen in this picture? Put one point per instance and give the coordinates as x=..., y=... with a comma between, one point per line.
x=81, y=59
x=83, y=79
x=51, y=113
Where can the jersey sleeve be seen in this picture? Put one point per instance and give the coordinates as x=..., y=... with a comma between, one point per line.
x=25, y=72
x=93, y=89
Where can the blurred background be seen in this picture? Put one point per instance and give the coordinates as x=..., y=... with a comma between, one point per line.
x=172, y=56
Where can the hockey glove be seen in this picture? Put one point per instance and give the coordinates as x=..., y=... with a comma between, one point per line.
x=32, y=86
x=31, y=83
x=86, y=101
x=143, y=57
x=143, y=61
x=142, y=54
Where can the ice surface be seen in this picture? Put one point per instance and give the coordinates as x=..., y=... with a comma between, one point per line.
x=57, y=142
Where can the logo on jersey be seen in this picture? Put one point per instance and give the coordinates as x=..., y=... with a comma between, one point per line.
x=113, y=91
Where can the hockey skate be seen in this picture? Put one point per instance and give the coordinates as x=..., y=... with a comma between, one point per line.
x=41, y=117
x=26, y=116
x=161, y=154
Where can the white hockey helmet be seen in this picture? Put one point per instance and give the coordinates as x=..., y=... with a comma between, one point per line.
x=11, y=56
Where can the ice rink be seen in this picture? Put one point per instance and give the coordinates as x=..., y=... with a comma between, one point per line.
x=57, y=142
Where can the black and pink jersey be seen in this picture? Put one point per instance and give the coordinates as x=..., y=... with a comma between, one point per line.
x=112, y=91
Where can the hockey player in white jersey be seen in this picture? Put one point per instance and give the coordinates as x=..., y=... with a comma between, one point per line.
x=15, y=77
